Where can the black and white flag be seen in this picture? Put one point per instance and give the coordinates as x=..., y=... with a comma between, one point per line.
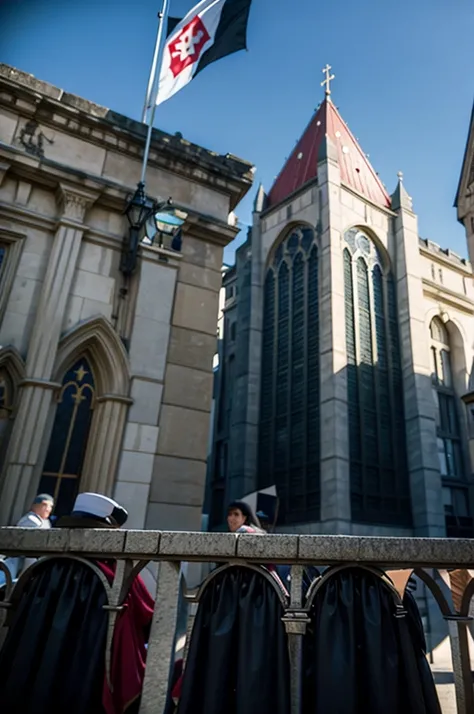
x=211, y=30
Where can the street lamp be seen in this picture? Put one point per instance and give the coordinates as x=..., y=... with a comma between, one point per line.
x=140, y=210
x=168, y=225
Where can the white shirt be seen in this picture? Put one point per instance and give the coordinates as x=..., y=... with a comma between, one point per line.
x=17, y=565
x=32, y=520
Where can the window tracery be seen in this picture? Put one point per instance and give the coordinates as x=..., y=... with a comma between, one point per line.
x=289, y=416
x=379, y=481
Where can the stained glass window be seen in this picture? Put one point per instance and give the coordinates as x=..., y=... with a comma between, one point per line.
x=313, y=395
x=282, y=376
x=289, y=416
x=458, y=521
x=267, y=410
x=3, y=253
x=377, y=451
x=4, y=390
x=297, y=378
x=67, y=446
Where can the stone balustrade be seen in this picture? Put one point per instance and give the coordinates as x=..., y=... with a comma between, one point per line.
x=448, y=559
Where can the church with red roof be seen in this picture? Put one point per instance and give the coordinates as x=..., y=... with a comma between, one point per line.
x=346, y=363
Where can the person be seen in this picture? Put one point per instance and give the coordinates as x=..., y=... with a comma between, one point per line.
x=53, y=658
x=39, y=513
x=37, y=517
x=242, y=519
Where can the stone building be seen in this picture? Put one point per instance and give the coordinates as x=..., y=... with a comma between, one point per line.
x=105, y=379
x=347, y=352
x=464, y=204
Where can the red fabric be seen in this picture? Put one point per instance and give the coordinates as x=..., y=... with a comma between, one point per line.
x=128, y=647
x=177, y=683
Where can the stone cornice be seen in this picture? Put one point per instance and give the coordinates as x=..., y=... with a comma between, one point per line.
x=448, y=297
x=98, y=125
x=12, y=233
x=108, y=194
x=50, y=173
x=449, y=261
x=209, y=228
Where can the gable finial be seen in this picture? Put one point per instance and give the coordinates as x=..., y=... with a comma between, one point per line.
x=328, y=79
x=400, y=176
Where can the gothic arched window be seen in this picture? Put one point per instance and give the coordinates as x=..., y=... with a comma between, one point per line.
x=67, y=446
x=289, y=417
x=379, y=482
x=455, y=492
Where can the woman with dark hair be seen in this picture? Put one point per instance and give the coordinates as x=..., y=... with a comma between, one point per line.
x=242, y=519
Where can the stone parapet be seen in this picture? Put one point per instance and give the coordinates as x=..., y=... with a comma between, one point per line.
x=218, y=547
x=441, y=564
x=94, y=124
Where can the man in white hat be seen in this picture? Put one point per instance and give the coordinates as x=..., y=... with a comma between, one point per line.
x=53, y=656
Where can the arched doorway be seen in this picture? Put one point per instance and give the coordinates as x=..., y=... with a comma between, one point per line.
x=69, y=437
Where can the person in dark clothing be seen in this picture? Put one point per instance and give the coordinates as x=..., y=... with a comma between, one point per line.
x=242, y=519
x=53, y=657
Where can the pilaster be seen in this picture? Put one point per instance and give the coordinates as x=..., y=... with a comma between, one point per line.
x=101, y=461
x=335, y=483
x=58, y=280
x=36, y=395
x=425, y=480
x=254, y=357
x=248, y=356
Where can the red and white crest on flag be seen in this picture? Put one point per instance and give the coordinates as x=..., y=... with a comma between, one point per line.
x=186, y=47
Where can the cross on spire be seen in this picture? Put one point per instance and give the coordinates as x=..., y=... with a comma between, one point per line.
x=327, y=81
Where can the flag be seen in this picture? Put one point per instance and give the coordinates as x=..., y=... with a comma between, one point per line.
x=172, y=22
x=211, y=30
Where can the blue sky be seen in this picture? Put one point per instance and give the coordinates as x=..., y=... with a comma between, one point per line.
x=403, y=85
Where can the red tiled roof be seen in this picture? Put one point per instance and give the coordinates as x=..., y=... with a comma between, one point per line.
x=302, y=166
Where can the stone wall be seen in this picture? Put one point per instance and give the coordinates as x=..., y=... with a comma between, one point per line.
x=430, y=281
x=67, y=167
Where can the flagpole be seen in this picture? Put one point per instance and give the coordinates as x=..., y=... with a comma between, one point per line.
x=153, y=69
x=153, y=84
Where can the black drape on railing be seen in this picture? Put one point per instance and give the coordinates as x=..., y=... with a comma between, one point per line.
x=363, y=654
x=238, y=657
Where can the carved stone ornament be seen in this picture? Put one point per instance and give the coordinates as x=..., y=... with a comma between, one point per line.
x=74, y=203
x=32, y=138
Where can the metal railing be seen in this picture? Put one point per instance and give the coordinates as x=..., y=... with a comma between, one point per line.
x=442, y=564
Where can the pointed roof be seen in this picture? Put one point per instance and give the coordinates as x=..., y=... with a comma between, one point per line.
x=260, y=200
x=465, y=170
x=326, y=135
x=400, y=197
